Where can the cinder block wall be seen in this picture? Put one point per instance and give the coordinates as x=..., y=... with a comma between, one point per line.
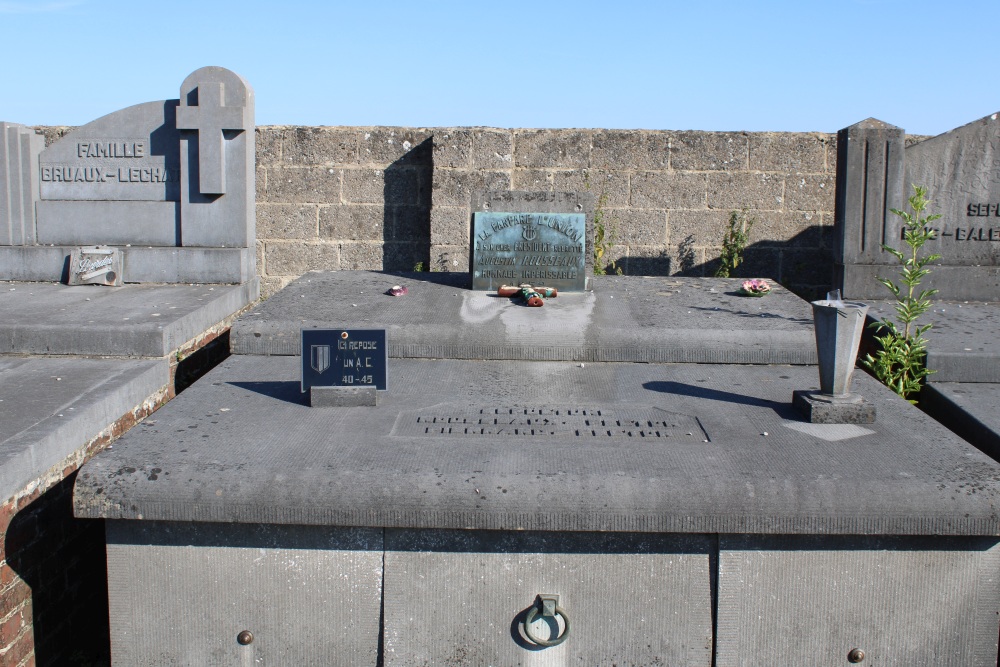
x=392, y=197
x=389, y=198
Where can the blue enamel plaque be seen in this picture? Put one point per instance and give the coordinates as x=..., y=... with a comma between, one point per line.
x=541, y=249
x=344, y=358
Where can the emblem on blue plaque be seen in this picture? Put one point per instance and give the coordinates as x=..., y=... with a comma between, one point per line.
x=319, y=358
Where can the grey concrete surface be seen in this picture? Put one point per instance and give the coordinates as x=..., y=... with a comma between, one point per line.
x=545, y=445
x=958, y=283
x=811, y=600
x=50, y=407
x=962, y=341
x=623, y=319
x=309, y=596
x=143, y=264
x=129, y=321
x=967, y=408
x=83, y=222
x=460, y=597
x=342, y=397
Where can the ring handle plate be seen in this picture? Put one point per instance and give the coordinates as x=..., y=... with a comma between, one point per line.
x=533, y=615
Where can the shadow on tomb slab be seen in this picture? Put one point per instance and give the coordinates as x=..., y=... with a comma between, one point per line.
x=803, y=264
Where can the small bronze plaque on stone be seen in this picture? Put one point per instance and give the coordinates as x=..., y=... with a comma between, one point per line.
x=95, y=265
x=538, y=248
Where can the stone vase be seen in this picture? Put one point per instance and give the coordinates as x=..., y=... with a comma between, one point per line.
x=838, y=328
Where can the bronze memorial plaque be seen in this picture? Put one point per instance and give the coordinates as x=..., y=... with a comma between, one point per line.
x=541, y=249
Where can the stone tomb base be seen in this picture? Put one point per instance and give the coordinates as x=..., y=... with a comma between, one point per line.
x=657, y=500
x=317, y=595
x=820, y=408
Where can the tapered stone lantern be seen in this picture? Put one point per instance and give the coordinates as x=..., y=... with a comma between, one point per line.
x=838, y=325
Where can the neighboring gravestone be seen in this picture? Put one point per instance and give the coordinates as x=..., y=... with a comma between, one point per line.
x=171, y=182
x=961, y=171
x=538, y=238
x=19, y=149
x=869, y=183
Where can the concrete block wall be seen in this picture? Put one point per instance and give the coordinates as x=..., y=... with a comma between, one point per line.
x=392, y=197
x=388, y=198
x=341, y=198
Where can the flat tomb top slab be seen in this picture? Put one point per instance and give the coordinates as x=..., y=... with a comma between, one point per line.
x=624, y=318
x=544, y=446
x=969, y=409
x=49, y=407
x=962, y=343
x=128, y=321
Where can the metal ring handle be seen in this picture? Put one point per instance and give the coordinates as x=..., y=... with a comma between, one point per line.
x=533, y=615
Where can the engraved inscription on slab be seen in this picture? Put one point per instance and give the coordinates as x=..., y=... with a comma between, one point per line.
x=95, y=266
x=344, y=358
x=538, y=248
x=961, y=170
x=588, y=423
x=131, y=155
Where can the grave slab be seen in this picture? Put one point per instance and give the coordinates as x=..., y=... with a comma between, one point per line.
x=144, y=264
x=627, y=488
x=549, y=445
x=130, y=321
x=624, y=318
x=962, y=341
x=49, y=407
x=969, y=409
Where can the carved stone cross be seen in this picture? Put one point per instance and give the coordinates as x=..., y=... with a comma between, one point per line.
x=210, y=118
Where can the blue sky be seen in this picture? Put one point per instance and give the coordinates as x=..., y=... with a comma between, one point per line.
x=703, y=65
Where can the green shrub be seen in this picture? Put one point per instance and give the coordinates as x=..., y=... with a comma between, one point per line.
x=900, y=361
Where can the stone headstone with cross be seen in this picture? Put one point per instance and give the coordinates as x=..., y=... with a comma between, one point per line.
x=170, y=183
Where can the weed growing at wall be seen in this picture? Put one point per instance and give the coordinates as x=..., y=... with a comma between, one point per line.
x=900, y=361
x=604, y=238
x=734, y=242
x=605, y=233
